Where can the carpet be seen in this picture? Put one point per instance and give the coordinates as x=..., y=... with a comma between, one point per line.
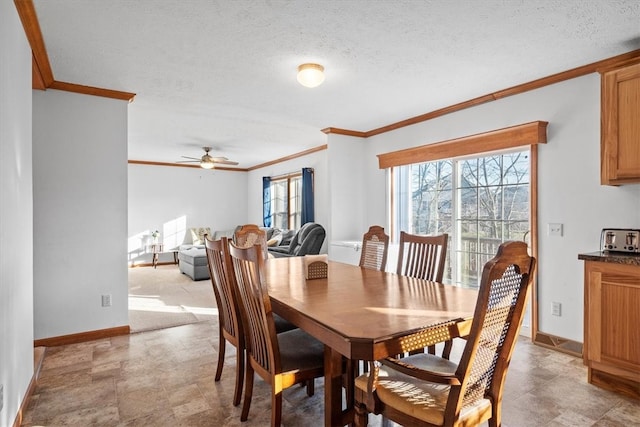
x=163, y=297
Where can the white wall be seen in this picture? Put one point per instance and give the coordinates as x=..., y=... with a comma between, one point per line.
x=569, y=190
x=347, y=161
x=317, y=161
x=16, y=215
x=173, y=199
x=80, y=212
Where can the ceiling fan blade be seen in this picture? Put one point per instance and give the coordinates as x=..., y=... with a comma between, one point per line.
x=191, y=158
x=188, y=161
x=219, y=159
x=225, y=162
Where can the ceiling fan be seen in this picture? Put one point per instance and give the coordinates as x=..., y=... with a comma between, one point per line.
x=207, y=161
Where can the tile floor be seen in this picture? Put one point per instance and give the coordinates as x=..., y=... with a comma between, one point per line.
x=166, y=378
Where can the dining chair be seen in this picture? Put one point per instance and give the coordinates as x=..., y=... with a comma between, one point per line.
x=230, y=322
x=375, y=244
x=250, y=234
x=428, y=390
x=229, y=318
x=245, y=236
x=282, y=360
x=422, y=257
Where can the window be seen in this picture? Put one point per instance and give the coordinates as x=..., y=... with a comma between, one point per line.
x=286, y=202
x=480, y=202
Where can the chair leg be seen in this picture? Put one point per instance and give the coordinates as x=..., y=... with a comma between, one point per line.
x=496, y=420
x=431, y=349
x=311, y=387
x=223, y=345
x=248, y=392
x=237, y=395
x=361, y=418
x=276, y=408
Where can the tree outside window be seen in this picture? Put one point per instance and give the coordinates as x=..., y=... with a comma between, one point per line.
x=480, y=202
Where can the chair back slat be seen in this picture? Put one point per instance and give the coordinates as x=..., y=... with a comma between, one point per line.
x=422, y=257
x=497, y=319
x=223, y=281
x=262, y=343
x=375, y=244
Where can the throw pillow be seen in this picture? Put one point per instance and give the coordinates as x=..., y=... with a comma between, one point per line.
x=275, y=240
x=197, y=234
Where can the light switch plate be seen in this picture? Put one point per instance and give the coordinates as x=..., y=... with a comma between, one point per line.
x=555, y=229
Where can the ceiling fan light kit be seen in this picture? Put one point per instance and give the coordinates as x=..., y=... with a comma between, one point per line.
x=310, y=75
x=207, y=164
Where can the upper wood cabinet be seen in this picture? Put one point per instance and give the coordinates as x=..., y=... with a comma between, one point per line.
x=620, y=127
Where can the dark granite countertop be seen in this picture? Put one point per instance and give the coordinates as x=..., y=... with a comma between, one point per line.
x=615, y=257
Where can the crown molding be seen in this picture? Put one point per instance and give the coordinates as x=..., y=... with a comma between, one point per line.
x=42, y=74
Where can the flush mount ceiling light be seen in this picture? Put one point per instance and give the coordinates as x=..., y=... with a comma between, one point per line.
x=310, y=75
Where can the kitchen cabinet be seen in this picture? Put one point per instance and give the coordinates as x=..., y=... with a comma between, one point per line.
x=611, y=349
x=620, y=126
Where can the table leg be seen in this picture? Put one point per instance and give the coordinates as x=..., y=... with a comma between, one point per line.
x=333, y=413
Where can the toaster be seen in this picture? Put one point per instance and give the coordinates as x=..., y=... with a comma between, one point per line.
x=620, y=240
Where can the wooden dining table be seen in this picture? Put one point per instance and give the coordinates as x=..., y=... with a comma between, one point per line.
x=363, y=314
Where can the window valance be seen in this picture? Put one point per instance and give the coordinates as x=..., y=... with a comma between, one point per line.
x=501, y=139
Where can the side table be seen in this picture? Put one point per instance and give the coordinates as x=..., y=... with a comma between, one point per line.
x=156, y=250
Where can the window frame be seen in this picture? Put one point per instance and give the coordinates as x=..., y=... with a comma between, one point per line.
x=291, y=214
x=405, y=211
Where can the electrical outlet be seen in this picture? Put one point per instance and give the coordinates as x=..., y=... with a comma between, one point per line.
x=106, y=300
x=555, y=229
x=556, y=309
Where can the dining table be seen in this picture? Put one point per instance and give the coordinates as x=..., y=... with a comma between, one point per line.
x=361, y=314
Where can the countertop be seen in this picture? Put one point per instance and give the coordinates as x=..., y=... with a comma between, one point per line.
x=615, y=257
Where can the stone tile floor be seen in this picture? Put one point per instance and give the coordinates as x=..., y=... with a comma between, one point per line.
x=166, y=378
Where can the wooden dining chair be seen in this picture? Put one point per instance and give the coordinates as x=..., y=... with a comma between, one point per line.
x=424, y=389
x=229, y=318
x=282, y=360
x=422, y=257
x=248, y=235
x=230, y=321
x=375, y=244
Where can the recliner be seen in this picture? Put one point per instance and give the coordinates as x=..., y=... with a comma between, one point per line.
x=307, y=241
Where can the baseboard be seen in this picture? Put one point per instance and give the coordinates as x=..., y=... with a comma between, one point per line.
x=82, y=337
x=563, y=345
x=38, y=358
x=149, y=264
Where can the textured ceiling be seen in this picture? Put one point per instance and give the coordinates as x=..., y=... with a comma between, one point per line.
x=222, y=73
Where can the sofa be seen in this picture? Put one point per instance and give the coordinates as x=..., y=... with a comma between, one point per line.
x=192, y=257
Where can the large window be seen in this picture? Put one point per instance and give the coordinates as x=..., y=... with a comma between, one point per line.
x=480, y=202
x=286, y=202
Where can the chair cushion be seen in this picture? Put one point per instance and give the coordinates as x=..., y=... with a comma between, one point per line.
x=300, y=351
x=282, y=324
x=420, y=399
